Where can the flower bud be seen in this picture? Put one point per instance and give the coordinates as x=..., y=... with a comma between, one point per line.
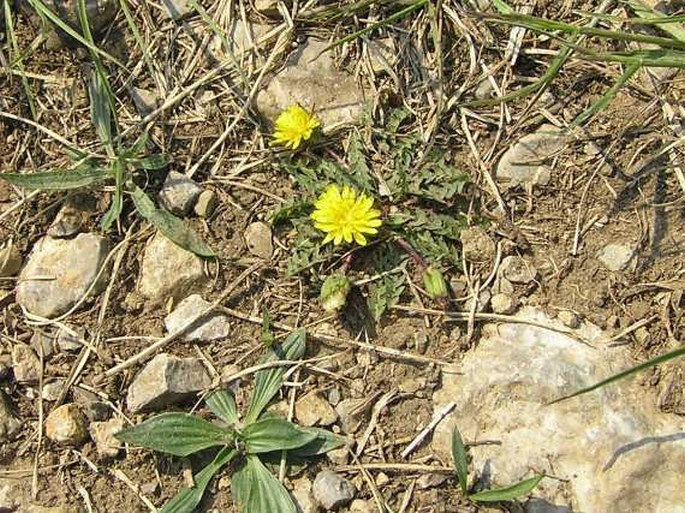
x=334, y=292
x=434, y=283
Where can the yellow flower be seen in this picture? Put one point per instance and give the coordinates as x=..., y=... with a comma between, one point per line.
x=345, y=216
x=293, y=126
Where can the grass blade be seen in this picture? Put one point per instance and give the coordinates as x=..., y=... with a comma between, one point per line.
x=82, y=176
x=508, y=493
x=170, y=225
x=11, y=37
x=460, y=461
x=180, y=434
x=633, y=370
x=187, y=499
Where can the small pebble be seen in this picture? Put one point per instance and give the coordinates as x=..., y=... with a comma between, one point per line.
x=66, y=425
x=331, y=490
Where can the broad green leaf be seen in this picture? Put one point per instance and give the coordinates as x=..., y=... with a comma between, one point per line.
x=274, y=434
x=222, y=404
x=187, y=499
x=643, y=366
x=325, y=441
x=180, y=434
x=83, y=176
x=170, y=225
x=256, y=490
x=268, y=382
x=460, y=462
x=508, y=493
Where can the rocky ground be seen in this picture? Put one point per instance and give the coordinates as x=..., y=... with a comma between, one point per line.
x=571, y=265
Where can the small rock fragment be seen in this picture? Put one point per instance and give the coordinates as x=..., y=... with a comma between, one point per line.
x=362, y=506
x=430, y=480
x=478, y=245
x=25, y=364
x=382, y=54
x=412, y=385
x=94, y=409
x=331, y=490
x=10, y=425
x=66, y=425
x=482, y=304
x=302, y=493
x=35, y=508
x=168, y=270
x=68, y=341
x=350, y=414
x=177, y=9
x=103, y=434
x=164, y=380
x=339, y=456
x=616, y=257
x=10, y=494
x=267, y=7
x=10, y=260
x=179, y=193
x=145, y=100
x=569, y=319
x=521, y=163
x=517, y=270
x=52, y=390
x=258, y=240
x=59, y=272
x=213, y=326
x=206, y=203
x=314, y=410
x=504, y=304
x=70, y=219
x=43, y=342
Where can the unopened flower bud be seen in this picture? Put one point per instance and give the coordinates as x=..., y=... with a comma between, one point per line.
x=434, y=283
x=334, y=292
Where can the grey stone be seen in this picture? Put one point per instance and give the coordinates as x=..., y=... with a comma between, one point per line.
x=503, y=304
x=52, y=390
x=314, y=410
x=66, y=425
x=335, y=95
x=258, y=240
x=517, y=270
x=10, y=260
x=302, y=493
x=103, y=433
x=164, y=380
x=616, y=257
x=350, y=415
x=43, y=342
x=177, y=9
x=484, y=90
x=213, y=326
x=145, y=100
x=69, y=220
x=168, y=270
x=179, y=193
x=478, y=246
x=589, y=443
x=10, y=495
x=430, y=480
x=25, y=364
x=59, y=272
x=90, y=404
x=10, y=424
x=569, y=319
x=522, y=164
x=482, y=304
x=331, y=490
x=339, y=456
x=206, y=204
x=69, y=341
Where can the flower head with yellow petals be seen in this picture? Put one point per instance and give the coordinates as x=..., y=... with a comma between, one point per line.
x=293, y=126
x=345, y=216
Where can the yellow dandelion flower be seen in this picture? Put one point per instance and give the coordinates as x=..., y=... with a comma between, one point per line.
x=345, y=216
x=293, y=126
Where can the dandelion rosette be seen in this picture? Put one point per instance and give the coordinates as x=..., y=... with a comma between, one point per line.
x=345, y=216
x=293, y=126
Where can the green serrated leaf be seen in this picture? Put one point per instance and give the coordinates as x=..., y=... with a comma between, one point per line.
x=170, y=225
x=256, y=490
x=323, y=442
x=507, y=493
x=187, y=499
x=274, y=434
x=385, y=293
x=179, y=434
x=460, y=461
x=222, y=404
x=268, y=382
x=83, y=176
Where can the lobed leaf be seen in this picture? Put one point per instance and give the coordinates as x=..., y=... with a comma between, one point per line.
x=274, y=434
x=508, y=493
x=179, y=434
